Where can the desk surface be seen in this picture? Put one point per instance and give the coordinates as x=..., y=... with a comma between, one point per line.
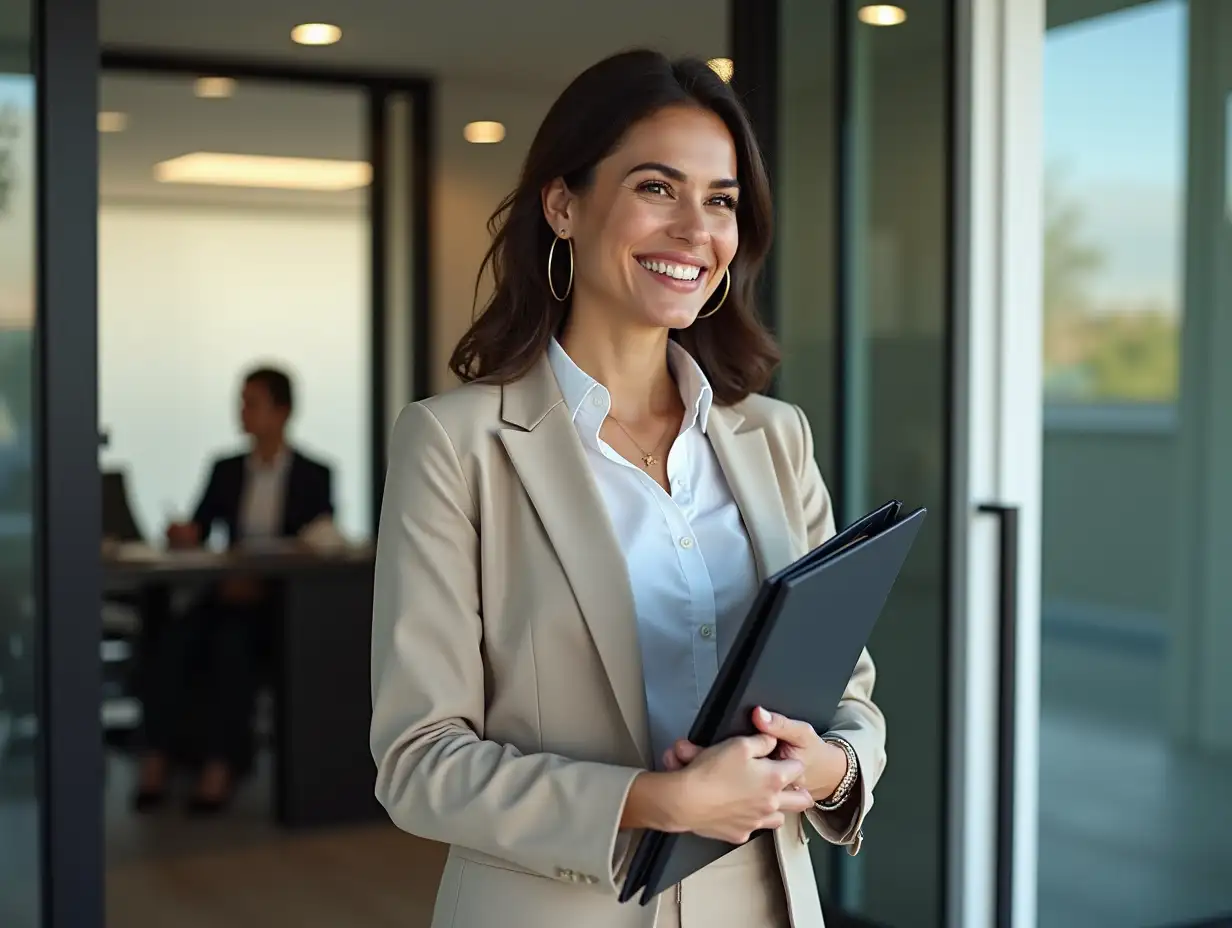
x=151, y=566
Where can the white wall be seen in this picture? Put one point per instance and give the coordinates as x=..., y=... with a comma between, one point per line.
x=189, y=298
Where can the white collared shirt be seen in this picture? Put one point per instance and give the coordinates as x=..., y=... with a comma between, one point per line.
x=690, y=563
x=265, y=493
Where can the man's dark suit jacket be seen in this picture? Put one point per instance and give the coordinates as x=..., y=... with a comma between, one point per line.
x=308, y=495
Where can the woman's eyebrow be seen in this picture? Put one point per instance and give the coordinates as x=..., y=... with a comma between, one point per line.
x=678, y=175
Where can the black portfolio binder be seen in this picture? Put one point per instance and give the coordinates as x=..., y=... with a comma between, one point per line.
x=794, y=654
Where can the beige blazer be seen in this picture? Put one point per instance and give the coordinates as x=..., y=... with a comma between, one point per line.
x=509, y=715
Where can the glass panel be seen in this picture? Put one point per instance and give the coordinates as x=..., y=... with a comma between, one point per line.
x=233, y=233
x=19, y=614
x=806, y=204
x=1136, y=707
x=894, y=355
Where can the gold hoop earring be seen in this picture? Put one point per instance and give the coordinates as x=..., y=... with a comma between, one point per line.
x=723, y=298
x=551, y=254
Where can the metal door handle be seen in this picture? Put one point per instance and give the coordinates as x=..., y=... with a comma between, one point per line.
x=1007, y=718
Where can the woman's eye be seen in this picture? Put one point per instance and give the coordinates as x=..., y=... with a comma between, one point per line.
x=656, y=187
x=725, y=201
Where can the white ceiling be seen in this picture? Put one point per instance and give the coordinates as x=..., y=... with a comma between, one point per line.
x=166, y=120
x=518, y=41
x=532, y=45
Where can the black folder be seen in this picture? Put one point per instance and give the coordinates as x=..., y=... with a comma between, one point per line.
x=794, y=654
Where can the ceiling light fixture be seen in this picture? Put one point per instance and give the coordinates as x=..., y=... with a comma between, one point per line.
x=484, y=132
x=111, y=121
x=722, y=67
x=316, y=34
x=882, y=14
x=214, y=88
x=230, y=170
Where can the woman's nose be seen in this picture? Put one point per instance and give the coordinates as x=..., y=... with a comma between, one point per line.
x=689, y=225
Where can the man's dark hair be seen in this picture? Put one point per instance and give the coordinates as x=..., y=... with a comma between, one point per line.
x=276, y=383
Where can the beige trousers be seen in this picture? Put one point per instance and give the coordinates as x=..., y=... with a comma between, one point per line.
x=742, y=890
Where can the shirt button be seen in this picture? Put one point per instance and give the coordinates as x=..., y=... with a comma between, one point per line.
x=707, y=631
x=597, y=400
x=686, y=542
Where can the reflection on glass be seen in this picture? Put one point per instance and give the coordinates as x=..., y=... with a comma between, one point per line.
x=19, y=617
x=1114, y=203
x=894, y=354
x=1136, y=705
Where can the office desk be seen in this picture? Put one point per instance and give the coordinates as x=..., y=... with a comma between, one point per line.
x=324, y=773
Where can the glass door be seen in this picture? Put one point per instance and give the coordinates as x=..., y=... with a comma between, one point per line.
x=1137, y=331
x=20, y=617
x=862, y=309
x=902, y=328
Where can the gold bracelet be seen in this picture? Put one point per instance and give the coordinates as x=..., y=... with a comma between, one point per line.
x=843, y=790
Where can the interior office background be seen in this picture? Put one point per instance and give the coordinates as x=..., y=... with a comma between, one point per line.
x=1133, y=334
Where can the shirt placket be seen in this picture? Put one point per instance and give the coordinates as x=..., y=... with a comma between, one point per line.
x=682, y=512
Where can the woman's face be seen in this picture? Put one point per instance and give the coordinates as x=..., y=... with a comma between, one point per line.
x=656, y=229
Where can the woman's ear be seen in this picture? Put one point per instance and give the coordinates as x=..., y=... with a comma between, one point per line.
x=558, y=206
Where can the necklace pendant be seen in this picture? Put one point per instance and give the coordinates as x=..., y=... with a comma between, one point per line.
x=649, y=460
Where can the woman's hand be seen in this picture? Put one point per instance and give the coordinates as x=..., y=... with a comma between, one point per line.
x=823, y=764
x=735, y=788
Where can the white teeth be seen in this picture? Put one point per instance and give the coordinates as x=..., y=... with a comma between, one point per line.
x=678, y=271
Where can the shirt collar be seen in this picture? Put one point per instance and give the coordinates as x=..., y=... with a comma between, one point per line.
x=282, y=461
x=580, y=390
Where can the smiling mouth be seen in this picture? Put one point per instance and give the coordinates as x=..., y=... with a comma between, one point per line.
x=675, y=271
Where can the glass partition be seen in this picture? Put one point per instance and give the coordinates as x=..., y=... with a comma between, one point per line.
x=863, y=311
x=20, y=615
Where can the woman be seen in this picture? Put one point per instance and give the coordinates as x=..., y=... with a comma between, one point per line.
x=569, y=541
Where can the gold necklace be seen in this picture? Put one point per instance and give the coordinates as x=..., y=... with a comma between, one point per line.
x=648, y=457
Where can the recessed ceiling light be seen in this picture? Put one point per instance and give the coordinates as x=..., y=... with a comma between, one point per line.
x=722, y=67
x=229, y=170
x=214, y=88
x=110, y=121
x=316, y=34
x=484, y=132
x=882, y=14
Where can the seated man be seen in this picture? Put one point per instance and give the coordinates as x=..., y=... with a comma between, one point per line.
x=204, y=669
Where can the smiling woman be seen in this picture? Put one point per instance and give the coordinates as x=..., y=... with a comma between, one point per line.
x=641, y=161
x=570, y=541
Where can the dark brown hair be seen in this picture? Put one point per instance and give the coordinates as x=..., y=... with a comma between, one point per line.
x=276, y=383
x=584, y=125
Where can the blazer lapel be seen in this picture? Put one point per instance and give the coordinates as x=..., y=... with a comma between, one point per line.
x=550, y=461
x=749, y=469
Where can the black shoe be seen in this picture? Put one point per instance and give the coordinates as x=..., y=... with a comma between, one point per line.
x=149, y=800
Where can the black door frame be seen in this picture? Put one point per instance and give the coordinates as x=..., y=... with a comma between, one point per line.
x=67, y=502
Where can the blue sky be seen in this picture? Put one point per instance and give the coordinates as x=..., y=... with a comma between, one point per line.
x=1114, y=121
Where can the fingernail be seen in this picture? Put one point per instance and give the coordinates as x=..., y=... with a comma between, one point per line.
x=762, y=715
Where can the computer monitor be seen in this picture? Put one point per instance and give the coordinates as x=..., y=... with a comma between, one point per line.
x=118, y=521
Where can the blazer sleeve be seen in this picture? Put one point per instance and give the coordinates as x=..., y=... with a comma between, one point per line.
x=436, y=774
x=210, y=508
x=857, y=720
x=324, y=502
